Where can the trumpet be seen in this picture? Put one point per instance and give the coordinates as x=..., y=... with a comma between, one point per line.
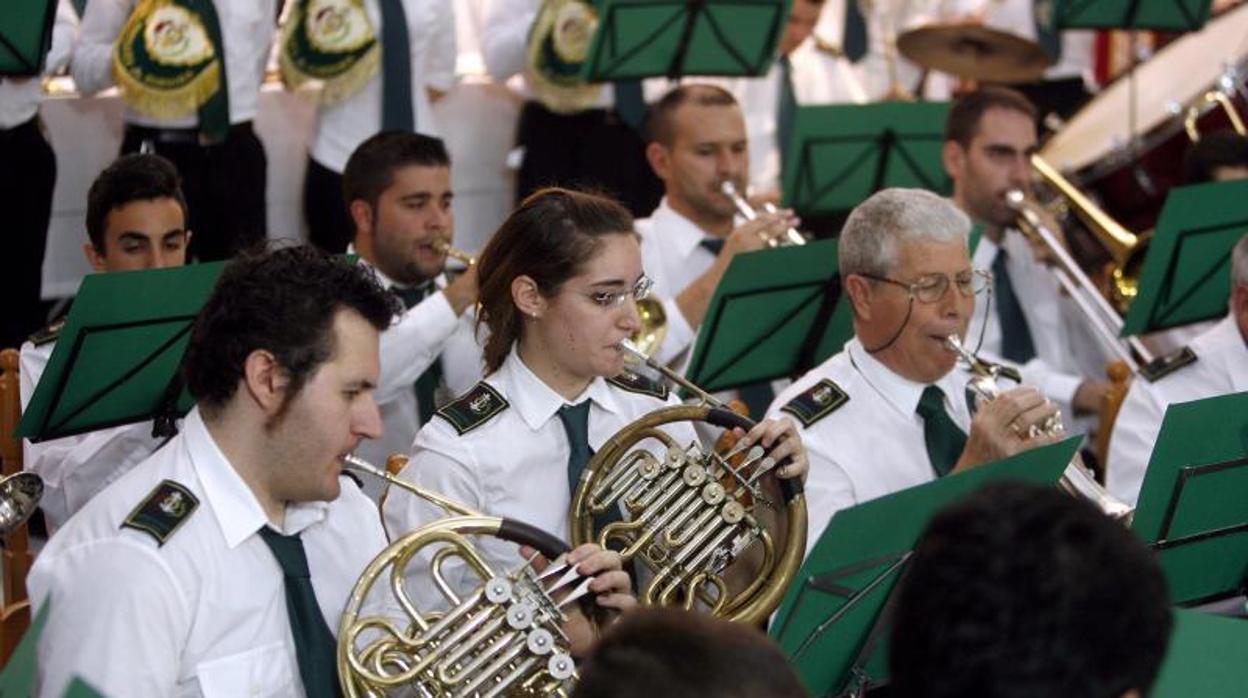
x=463, y=257
x=791, y=236
x=503, y=638
x=1076, y=479
x=690, y=514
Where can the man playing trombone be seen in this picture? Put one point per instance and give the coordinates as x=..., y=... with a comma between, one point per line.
x=989, y=139
x=890, y=410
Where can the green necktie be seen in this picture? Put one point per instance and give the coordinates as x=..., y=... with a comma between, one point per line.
x=786, y=110
x=944, y=439
x=315, y=647
x=854, y=40
x=630, y=103
x=575, y=420
x=214, y=114
x=426, y=385
x=712, y=245
x=1016, y=343
x=1046, y=35
x=396, y=69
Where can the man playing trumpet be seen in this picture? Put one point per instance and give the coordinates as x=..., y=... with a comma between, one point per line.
x=397, y=187
x=890, y=410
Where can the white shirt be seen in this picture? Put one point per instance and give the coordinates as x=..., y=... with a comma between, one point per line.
x=671, y=255
x=428, y=330
x=873, y=444
x=247, y=28
x=1053, y=370
x=1221, y=368
x=204, y=613
x=504, y=40
x=514, y=465
x=343, y=126
x=75, y=468
x=19, y=97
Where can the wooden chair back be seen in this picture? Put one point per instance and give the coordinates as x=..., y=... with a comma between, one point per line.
x=15, y=613
x=1120, y=380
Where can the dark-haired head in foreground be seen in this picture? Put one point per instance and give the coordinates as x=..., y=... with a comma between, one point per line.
x=669, y=653
x=1024, y=592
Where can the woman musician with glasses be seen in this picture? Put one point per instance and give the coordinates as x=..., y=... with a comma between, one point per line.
x=558, y=285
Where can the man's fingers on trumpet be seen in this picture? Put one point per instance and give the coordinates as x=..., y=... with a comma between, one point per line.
x=1024, y=412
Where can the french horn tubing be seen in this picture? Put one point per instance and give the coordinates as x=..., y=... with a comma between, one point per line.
x=691, y=514
x=1076, y=479
x=503, y=638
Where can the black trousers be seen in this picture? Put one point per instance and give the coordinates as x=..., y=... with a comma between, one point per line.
x=27, y=176
x=590, y=149
x=224, y=185
x=329, y=223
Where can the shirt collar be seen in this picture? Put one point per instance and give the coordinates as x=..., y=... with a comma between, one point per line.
x=537, y=402
x=901, y=392
x=681, y=233
x=386, y=282
x=231, y=501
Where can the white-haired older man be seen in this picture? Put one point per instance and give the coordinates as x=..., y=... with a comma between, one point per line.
x=890, y=411
x=1215, y=363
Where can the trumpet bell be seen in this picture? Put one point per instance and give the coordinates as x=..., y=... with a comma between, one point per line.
x=19, y=496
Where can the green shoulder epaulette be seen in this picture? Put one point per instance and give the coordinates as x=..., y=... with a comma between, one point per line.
x=163, y=512
x=47, y=334
x=634, y=382
x=1163, y=366
x=816, y=402
x=473, y=408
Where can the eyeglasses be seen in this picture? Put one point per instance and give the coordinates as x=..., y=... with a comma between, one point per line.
x=614, y=299
x=930, y=289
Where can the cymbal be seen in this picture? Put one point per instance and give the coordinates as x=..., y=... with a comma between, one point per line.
x=975, y=52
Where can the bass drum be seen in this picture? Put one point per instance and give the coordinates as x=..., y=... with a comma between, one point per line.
x=1132, y=175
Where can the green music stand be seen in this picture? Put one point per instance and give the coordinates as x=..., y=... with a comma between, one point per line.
x=831, y=621
x=673, y=38
x=1207, y=657
x=18, y=676
x=842, y=153
x=1186, y=275
x=1193, y=508
x=25, y=36
x=117, y=358
x=1162, y=15
x=768, y=318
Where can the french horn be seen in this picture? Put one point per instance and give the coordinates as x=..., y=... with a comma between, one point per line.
x=1076, y=479
x=503, y=638
x=692, y=513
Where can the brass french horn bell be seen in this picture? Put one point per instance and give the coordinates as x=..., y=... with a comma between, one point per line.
x=19, y=496
x=504, y=637
x=692, y=517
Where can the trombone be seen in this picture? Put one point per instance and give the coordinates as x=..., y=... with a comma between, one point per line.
x=1101, y=316
x=791, y=236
